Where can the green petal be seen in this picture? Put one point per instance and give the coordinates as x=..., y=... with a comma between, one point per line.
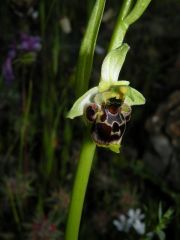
x=121, y=83
x=112, y=92
x=104, y=86
x=133, y=97
x=78, y=107
x=115, y=147
x=111, y=67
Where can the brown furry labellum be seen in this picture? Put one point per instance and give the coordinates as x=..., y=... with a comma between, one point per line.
x=108, y=121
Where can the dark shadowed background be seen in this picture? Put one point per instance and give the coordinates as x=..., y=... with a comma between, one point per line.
x=39, y=147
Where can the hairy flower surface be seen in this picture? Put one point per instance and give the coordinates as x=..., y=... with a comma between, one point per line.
x=107, y=107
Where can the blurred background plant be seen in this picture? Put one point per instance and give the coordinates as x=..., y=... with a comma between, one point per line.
x=39, y=148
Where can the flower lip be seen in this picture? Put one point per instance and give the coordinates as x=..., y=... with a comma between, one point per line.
x=108, y=121
x=113, y=108
x=102, y=134
x=115, y=127
x=90, y=112
x=109, y=125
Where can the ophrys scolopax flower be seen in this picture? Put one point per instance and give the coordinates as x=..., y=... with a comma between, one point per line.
x=107, y=107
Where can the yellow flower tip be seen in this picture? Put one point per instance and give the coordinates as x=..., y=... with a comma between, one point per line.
x=123, y=89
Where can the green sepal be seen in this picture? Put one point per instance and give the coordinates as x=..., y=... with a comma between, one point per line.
x=121, y=83
x=112, y=92
x=115, y=147
x=133, y=97
x=111, y=67
x=78, y=107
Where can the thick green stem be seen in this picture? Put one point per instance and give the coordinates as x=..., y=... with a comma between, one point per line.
x=83, y=72
x=79, y=190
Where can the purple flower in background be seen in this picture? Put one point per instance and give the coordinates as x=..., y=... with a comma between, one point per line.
x=12, y=51
x=7, y=68
x=26, y=43
x=29, y=43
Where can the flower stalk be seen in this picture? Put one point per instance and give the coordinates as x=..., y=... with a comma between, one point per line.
x=83, y=71
x=79, y=189
x=125, y=19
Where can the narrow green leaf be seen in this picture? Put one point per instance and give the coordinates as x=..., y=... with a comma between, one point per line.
x=86, y=54
x=137, y=11
x=78, y=107
x=161, y=235
x=160, y=211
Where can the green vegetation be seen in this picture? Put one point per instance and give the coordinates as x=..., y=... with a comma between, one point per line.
x=130, y=195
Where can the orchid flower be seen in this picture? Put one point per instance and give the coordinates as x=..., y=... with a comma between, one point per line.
x=107, y=107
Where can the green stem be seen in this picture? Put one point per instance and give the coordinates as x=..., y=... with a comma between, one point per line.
x=125, y=19
x=120, y=27
x=13, y=206
x=79, y=189
x=83, y=72
x=137, y=11
x=24, y=127
x=126, y=6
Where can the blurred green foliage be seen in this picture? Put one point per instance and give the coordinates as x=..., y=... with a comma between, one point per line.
x=39, y=148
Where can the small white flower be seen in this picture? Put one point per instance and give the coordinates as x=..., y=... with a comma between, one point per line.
x=122, y=224
x=132, y=220
x=119, y=225
x=134, y=214
x=139, y=227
